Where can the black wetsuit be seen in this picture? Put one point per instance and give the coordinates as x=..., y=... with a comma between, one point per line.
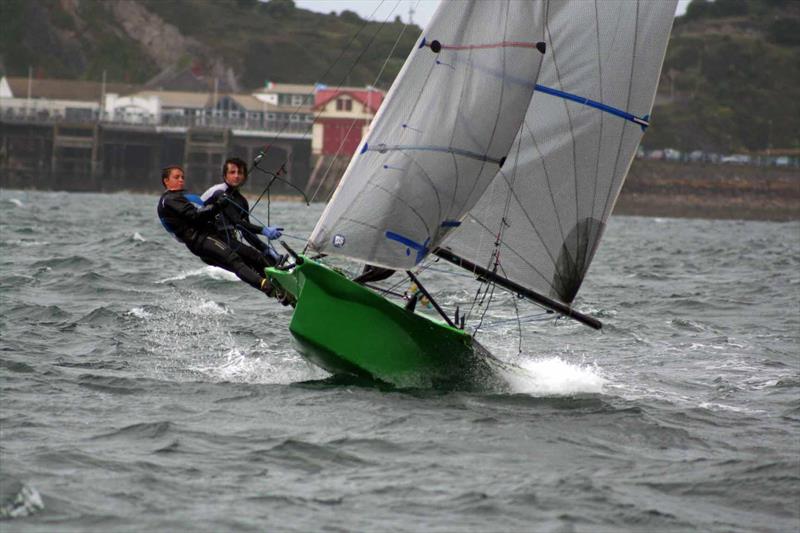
x=233, y=222
x=194, y=226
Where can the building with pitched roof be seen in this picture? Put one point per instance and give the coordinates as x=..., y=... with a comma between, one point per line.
x=343, y=116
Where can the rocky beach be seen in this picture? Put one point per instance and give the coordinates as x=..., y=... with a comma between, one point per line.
x=695, y=190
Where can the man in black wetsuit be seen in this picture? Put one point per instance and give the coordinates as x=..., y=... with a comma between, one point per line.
x=193, y=225
x=233, y=220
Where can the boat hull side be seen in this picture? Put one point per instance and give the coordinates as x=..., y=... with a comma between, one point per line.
x=346, y=328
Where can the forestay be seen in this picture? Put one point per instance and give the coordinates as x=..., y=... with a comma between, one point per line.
x=540, y=220
x=446, y=127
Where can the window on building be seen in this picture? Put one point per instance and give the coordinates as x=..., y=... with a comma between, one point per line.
x=344, y=104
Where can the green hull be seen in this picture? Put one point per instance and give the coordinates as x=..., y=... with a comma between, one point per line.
x=346, y=328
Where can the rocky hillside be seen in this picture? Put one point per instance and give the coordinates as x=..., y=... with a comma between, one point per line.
x=241, y=43
x=731, y=79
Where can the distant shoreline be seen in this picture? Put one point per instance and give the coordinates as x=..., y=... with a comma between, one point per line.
x=691, y=190
x=685, y=190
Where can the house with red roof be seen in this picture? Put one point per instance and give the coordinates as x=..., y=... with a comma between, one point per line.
x=343, y=118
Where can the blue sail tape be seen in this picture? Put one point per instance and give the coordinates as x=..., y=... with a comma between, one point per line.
x=382, y=148
x=421, y=249
x=451, y=223
x=643, y=121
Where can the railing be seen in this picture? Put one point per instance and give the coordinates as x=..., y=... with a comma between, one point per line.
x=37, y=115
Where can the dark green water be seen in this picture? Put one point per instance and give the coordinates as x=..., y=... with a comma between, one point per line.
x=142, y=390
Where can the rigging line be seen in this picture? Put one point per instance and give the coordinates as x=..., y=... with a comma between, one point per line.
x=485, y=310
x=338, y=87
x=335, y=61
x=510, y=183
x=389, y=55
x=536, y=317
x=353, y=122
x=477, y=294
x=627, y=105
x=419, y=270
x=383, y=291
x=516, y=312
x=514, y=194
x=522, y=258
x=325, y=176
x=277, y=177
x=360, y=193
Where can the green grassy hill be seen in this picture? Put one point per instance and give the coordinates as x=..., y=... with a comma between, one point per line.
x=731, y=78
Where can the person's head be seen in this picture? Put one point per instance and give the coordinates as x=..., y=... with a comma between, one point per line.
x=234, y=172
x=172, y=178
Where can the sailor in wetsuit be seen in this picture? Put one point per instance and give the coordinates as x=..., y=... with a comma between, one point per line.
x=193, y=225
x=233, y=220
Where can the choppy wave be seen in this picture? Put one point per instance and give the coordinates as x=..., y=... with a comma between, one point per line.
x=19, y=500
x=209, y=272
x=140, y=385
x=554, y=377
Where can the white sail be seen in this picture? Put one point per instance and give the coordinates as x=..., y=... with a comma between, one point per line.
x=445, y=128
x=540, y=221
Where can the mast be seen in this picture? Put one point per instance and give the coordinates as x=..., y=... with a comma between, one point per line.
x=518, y=289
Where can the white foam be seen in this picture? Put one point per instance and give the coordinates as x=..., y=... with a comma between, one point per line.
x=208, y=272
x=139, y=312
x=283, y=367
x=138, y=237
x=712, y=406
x=26, y=502
x=16, y=202
x=207, y=307
x=554, y=377
x=24, y=243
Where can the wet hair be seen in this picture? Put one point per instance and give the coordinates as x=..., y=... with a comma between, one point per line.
x=234, y=161
x=165, y=172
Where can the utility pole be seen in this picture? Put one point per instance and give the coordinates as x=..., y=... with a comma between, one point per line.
x=102, y=98
x=411, y=13
x=30, y=84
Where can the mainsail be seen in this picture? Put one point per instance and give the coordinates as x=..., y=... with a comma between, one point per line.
x=445, y=128
x=542, y=217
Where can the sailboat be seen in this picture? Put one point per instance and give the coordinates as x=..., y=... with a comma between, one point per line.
x=501, y=147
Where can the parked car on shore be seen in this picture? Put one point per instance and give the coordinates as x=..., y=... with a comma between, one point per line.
x=735, y=159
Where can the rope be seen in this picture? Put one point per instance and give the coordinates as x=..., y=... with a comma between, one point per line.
x=341, y=82
x=353, y=122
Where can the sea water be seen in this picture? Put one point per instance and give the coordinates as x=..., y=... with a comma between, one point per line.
x=143, y=390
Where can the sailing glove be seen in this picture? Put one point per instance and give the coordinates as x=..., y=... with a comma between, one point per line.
x=271, y=232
